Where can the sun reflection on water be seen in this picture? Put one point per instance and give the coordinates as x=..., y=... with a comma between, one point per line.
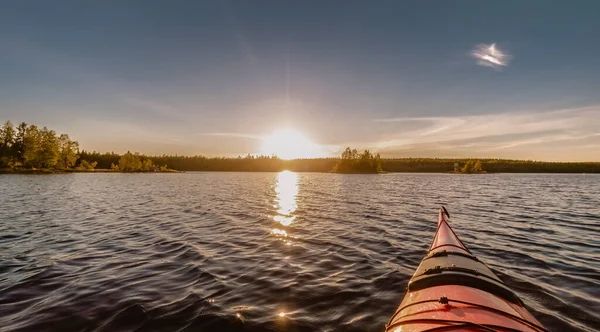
x=287, y=190
x=279, y=232
x=285, y=204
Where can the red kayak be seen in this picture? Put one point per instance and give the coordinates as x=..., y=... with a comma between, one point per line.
x=452, y=290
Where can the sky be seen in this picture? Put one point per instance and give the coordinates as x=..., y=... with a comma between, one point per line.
x=504, y=79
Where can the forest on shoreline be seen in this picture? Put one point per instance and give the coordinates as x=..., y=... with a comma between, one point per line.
x=30, y=149
x=251, y=163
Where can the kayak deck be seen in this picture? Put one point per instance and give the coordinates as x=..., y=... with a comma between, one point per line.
x=452, y=290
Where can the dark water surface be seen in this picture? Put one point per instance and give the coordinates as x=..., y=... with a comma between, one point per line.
x=231, y=251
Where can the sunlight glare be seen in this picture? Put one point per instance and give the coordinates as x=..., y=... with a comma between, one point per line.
x=287, y=190
x=279, y=232
x=290, y=144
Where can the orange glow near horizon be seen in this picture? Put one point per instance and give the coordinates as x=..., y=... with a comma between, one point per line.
x=290, y=144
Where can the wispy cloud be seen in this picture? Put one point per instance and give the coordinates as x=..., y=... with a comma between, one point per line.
x=236, y=135
x=493, y=134
x=489, y=55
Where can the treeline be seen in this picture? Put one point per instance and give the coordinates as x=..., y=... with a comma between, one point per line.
x=437, y=165
x=248, y=163
x=28, y=146
x=351, y=161
x=134, y=162
x=251, y=163
x=31, y=147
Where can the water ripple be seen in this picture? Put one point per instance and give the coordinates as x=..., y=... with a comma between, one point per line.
x=281, y=251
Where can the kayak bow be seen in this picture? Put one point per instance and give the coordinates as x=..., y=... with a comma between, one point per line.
x=453, y=290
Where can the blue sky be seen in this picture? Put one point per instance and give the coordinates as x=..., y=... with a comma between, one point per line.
x=511, y=79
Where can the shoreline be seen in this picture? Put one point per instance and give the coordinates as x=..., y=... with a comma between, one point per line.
x=45, y=171
x=51, y=172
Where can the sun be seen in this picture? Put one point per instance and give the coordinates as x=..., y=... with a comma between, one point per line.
x=289, y=144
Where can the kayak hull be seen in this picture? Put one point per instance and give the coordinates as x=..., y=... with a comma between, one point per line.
x=452, y=290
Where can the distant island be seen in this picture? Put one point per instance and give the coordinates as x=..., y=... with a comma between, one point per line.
x=353, y=162
x=30, y=149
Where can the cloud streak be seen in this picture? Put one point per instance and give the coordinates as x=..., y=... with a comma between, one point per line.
x=235, y=135
x=489, y=55
x=494, y=134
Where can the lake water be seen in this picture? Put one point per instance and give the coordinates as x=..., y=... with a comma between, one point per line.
x=237, y=251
